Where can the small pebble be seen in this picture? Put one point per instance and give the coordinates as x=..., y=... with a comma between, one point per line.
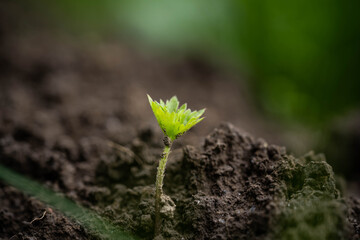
x=252, y=209
x=221, y=220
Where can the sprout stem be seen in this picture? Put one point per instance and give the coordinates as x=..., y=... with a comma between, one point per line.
x=159, y=183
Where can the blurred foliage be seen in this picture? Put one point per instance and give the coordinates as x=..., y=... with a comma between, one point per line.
x=302, y=56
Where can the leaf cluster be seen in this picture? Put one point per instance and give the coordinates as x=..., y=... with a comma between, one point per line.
x=174, y=120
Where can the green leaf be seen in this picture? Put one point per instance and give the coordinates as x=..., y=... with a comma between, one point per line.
x=173, y=104
x=174, y=121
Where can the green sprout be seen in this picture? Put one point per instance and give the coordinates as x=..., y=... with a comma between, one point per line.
x=174, y=122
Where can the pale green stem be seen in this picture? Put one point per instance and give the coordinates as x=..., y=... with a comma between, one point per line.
x=158, y=185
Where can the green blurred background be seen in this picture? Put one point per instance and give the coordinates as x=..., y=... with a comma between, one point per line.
x=300, y=58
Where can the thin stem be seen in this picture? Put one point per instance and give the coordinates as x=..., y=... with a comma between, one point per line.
x=159, y=183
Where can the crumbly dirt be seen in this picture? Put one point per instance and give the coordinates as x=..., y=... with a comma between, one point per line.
x=234, y=187
x=354, y=216
x=76, y=119
x=22, y=217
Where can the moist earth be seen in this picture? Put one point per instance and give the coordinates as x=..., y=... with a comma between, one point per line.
x=23, y=217
x=76, y=119
x=234, y=187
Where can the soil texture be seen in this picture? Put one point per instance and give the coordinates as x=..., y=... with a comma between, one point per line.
x=23, y=217
x=76, y=119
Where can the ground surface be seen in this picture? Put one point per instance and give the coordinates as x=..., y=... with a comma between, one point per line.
x=23, y=217
x=75, y=118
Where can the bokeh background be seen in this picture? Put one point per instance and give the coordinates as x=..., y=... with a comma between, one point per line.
x=286, y=71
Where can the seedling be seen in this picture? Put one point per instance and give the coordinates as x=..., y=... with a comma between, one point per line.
x=174, y=122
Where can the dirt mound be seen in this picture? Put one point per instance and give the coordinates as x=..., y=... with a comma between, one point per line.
x=22, y=217
x=72, y=117
x=234, y=187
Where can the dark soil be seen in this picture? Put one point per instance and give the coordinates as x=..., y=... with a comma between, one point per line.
x=23, y=217
x=76, y=119
x=235, y=187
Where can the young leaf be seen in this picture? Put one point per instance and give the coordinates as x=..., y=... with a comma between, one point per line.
x=174, y=121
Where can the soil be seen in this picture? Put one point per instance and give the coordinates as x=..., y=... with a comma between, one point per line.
x=23, y=217
x=76, y=119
